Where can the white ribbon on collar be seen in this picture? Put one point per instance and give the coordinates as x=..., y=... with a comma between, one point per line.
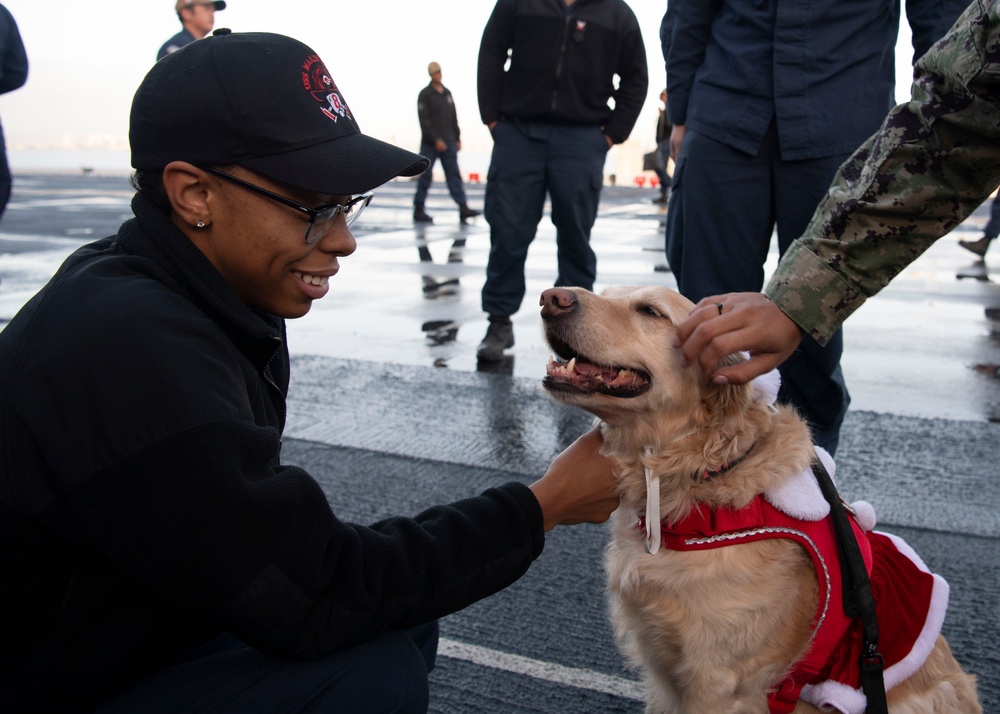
x=653, y=535
x=652, y=507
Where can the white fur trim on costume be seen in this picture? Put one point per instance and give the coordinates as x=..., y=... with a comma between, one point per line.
x=765, y=387
x=864, y=513
x=827, y=461
x=800, y=497
x=834, y=697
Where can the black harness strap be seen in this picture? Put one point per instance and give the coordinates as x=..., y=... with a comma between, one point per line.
x=858, y=598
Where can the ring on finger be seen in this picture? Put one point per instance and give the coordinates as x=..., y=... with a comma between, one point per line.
x=719, y=306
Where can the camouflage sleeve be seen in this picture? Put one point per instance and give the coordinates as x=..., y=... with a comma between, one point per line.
x=933, y=161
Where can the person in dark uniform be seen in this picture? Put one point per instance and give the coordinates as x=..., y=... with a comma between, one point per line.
x=440, y=138
x=547, y=72
x=763, y=136
x=197, y=19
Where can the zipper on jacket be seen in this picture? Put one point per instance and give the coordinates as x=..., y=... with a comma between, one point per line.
x=267, y=378
x=562, y=57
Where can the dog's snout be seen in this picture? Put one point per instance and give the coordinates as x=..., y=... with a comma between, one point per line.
x=556, y=302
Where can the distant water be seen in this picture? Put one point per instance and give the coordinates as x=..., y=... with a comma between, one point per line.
x=54, y=161
x=473, y=161
x=69, y=161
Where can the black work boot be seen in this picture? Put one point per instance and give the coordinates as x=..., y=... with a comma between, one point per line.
x=419, y=216
x=465, y=213
x=499, y=336
x=976, y=246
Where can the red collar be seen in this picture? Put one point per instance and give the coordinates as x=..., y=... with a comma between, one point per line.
x=704, y=528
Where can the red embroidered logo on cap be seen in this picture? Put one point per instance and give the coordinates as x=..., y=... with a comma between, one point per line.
x=317, y=81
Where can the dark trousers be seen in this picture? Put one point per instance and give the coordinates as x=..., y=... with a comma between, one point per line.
x=992, y=229
x=386, y=674
x=724, y=207
x=452, y=176
x=531, y=160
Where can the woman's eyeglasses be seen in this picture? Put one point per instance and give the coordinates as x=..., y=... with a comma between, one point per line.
x=320, y=219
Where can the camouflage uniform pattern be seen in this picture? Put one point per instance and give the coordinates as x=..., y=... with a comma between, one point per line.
x=933, y=161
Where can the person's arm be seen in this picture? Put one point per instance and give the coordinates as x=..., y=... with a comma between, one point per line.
x=493, y=49
x=664, y=128
x=666, y=30
x=203, y=519
x=453, y=118
x=692, y=27
x=933, y=161
x=633, y=84
x=14, y=67
x=689, y=35
x=427, y=128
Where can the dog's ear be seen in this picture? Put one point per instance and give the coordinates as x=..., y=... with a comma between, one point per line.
x=726, y=402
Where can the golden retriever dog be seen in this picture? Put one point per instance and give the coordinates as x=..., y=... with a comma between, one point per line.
x=720, y=589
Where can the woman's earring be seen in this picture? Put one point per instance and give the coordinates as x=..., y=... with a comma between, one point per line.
x=200, y=224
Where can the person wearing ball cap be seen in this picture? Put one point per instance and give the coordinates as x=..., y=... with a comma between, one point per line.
x=156, y=553
x=197, y=20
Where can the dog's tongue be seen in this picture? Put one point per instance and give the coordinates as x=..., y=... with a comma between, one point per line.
x=588, y=369
x=582, y=373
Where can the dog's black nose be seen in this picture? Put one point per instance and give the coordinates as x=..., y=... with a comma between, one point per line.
x=557, y=301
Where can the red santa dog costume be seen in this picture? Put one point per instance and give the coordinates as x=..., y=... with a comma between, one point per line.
x=910, y=600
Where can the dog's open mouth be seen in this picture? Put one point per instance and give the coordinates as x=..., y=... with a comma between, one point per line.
x=578, y=375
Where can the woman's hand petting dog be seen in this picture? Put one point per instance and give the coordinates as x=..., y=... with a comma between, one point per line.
x=579, y=485
x=737, y=322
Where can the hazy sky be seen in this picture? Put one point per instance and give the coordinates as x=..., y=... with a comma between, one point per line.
x=86, y=60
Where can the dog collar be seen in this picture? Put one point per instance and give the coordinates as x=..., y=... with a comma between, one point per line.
x=709, y=473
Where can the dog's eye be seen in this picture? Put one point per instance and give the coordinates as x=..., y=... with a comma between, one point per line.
x=650, y=310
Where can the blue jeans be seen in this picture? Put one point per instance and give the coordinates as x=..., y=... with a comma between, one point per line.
x=452, y=176
x=724, y=207
x=531, y=160
x=386, y=674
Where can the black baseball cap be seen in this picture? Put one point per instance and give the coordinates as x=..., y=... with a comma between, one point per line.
x=181, y=4
x=266, y=102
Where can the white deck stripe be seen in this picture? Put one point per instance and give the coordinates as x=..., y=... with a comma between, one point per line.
x=548, y=671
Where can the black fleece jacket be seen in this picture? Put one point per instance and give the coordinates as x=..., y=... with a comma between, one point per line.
x=563, y=62
x=143, y=504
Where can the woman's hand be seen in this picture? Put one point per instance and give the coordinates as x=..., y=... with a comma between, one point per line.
x=579, y=485
x=737, y=322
